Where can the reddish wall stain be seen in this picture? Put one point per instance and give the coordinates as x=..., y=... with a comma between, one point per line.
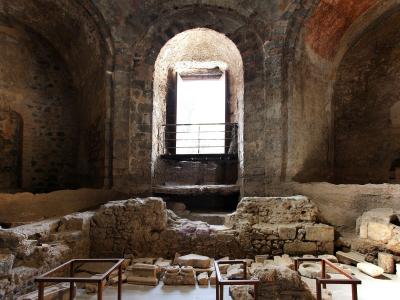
x=330, y=21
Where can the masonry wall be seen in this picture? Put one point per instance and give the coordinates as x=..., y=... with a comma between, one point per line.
x=291, y=53
x=367, y=135
x=39, y=126
x=10, y=149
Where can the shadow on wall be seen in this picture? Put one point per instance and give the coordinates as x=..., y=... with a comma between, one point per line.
x=10, y=150
x=316, y=167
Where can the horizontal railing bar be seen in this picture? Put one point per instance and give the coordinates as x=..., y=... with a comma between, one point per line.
x=196, y=132
x=196, y=124
x=338, y=281
x=182, y=140
x=197, y=147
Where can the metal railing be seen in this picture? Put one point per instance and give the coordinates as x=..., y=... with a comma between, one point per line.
x=202, y=138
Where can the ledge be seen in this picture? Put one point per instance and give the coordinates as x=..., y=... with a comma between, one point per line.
x=200, y=157
x=223, y=189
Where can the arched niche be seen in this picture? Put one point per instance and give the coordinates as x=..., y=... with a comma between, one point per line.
x=366, y=136
x=314, y=73
x=82, y=54
x=201, y=49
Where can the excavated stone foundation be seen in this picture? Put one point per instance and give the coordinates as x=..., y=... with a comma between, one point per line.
x=144, y=227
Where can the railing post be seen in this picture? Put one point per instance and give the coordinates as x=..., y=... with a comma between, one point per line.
x=323, y=272
x=319, y=292
x=354, y=291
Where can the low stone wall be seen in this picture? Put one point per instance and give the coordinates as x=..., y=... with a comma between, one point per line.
x=29, y=250
x=145, y=227
x=277, y=225
x=27, y=207
x=341, y=205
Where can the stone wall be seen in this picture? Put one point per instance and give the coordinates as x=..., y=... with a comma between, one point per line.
x=171, y=172
x=30, y=250
x=10, y=149
x=20, y=208
x=367, y=132
x=36, y=91
x=291, y=57
x=341, y=205
x=144, y=227
x=57, y=64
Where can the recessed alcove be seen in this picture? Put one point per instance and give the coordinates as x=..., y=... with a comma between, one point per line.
x=197, y=140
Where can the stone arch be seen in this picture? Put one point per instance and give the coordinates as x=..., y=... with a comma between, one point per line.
x=245, y=35
x=194, y=47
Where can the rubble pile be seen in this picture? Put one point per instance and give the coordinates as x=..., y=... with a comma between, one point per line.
x=29, y=250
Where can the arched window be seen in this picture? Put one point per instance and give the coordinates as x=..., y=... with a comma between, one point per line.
x=198, y=89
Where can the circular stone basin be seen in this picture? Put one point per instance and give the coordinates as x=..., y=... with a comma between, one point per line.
x=310, y=270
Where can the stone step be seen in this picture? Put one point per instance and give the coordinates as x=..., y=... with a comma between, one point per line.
x=350, y=258
x=217, y=218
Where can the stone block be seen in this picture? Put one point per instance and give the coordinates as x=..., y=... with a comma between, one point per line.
x=326, y=247
x=261, y=258
x=235, y=272
x=202, y=278
x=179, y=276
x=386, y=262
x=287, y=232
x=379, y=232
x=370, y=269
x=143, y=274
x=194, y=260
x=6, y=263
x=350, y=258
x=240, y=292
x=320, y=233
x=284, y=260
x=213, y=278
x=300, y=248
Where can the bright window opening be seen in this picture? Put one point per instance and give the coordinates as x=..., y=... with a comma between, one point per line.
x=200, y=115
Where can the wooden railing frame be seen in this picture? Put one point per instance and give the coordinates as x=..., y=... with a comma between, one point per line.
x=221, y=282
x=100, y=280
x=323, y=281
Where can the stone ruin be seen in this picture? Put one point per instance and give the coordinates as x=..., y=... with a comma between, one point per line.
x=29, y=250
x=145, y=228
x=380, y=228
x=276, y=282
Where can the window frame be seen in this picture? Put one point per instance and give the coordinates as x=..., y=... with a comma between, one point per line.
x=171, y=119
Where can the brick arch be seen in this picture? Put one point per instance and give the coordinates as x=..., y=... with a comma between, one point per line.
x=248, y=40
